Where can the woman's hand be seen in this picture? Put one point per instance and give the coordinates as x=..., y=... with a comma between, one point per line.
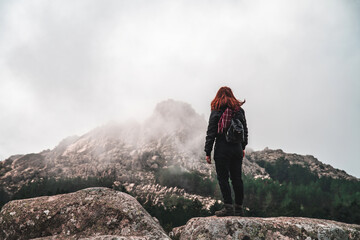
x=208, y=159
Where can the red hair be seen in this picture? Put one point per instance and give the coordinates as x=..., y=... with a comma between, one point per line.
x=225, y=97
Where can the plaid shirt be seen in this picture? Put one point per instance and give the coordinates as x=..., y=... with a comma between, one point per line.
x=225, y=120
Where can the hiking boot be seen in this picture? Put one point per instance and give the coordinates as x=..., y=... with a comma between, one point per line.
x=227, y=210
x=238, y=210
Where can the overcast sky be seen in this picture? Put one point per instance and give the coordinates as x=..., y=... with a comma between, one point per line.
x=69, y=66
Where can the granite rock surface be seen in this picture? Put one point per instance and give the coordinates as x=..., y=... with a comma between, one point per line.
x=92, y=213
x=254, y=228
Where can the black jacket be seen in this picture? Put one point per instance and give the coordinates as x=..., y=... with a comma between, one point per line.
x=212, y=134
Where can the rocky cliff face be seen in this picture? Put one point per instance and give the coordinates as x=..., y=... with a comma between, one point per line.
x=306, y=161
x=265, y=228
x=132, y=153
x=92, y=213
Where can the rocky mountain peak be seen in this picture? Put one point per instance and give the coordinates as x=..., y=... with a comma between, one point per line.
x=176, y=119
x=172, y=110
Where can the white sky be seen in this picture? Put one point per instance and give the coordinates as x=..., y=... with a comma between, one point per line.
x=69, y=66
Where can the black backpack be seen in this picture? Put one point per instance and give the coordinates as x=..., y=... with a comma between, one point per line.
x=235, y=133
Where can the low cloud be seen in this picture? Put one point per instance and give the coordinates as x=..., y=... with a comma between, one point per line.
x=67, y=67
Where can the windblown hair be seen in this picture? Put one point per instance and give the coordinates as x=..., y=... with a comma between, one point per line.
x=225, y=97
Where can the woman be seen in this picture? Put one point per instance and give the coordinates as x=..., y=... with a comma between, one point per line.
x=228, y=156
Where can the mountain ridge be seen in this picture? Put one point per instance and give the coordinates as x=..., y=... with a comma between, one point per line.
x=132, y=152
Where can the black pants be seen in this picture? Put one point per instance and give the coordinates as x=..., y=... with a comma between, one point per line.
x=228, y=163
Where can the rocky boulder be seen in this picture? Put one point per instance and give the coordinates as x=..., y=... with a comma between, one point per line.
x=265, y=228
x=92, y=213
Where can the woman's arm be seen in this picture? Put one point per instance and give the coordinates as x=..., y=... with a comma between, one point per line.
x=211, y=131
x=243, y=121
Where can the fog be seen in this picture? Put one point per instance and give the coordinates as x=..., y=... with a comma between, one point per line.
x=67, y=67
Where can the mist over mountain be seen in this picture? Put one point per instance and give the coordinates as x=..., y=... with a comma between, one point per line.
x=132, y=153
x=161, y=162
